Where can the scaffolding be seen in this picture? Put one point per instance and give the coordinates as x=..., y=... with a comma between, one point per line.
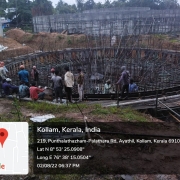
x=112, y=21
x=150, y=69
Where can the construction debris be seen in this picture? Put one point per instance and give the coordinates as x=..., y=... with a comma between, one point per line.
x=42, y=118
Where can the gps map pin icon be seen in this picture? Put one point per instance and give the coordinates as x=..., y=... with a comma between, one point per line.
x=3, y=135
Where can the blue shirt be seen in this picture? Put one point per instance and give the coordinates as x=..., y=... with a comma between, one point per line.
x=23, y=90
x=133, y=88
x=23, y=75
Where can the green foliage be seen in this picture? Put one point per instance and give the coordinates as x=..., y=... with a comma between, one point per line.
x=17, y=110
x=174, y=40
x=9, y=119
x=98, y=5
x=129, y=114
x=98, y=109
x=27, y=8
x=89, y=4
x=23, y=10
x=3, y=6
x=160, y=36
x=80, y=5
x=27, y=28
x=52, y=108
x=126, y=114
x=63, y=8
x=69, y=41
x=42, y=7
x=28, y=38
x=81, y=39
x=60, y=37
x=107, y=4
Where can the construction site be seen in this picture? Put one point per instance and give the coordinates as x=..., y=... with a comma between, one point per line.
x=146, y=41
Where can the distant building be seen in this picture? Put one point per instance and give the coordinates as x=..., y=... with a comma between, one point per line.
x=5, y=22
x=112, y=21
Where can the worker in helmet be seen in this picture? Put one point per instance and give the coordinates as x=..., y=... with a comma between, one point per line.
x=23, y=75
x=35, y=75
x=52, y=72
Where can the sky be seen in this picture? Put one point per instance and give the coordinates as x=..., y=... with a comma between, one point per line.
x=74, y=1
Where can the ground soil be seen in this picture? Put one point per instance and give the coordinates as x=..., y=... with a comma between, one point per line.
x=20, y=42
x=14, y=48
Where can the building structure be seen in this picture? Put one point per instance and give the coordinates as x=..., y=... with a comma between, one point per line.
x=111, y=21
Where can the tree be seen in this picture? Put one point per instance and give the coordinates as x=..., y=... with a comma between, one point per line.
x=62, y=8
x=22, y=13
x=80, y=5
x=3, y=6
x=168, y=4
x=119, y=3
x=89, y=4
x=98, y=5
x=154, y=4
x=107, y=4
x=42, y=7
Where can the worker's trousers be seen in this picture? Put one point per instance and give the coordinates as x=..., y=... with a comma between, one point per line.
x=80, y=92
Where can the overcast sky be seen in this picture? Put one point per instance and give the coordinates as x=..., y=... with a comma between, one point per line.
x=74, y=1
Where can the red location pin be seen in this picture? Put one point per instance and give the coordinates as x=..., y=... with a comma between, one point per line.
x=3, y=135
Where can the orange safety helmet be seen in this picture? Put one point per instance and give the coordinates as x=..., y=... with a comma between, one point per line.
x=21, y=67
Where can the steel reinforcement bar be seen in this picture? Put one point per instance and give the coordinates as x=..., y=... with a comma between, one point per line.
x=151, y=69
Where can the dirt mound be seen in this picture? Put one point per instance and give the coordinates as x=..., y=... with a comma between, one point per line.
x=47, y=41
x=56, y=41
x=15, y=34
x=10, y=43
x=14, y=48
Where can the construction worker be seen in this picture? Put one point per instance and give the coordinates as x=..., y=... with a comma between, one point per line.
x=3, y=74
x=132, y=86
x=9, y=88
x=35, y=75
x=23, y=75
x=58, y=86
x=107, y=87
x=124, y=80
x=69, y=83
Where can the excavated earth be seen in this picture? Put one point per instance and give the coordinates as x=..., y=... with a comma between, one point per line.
x=20, y=42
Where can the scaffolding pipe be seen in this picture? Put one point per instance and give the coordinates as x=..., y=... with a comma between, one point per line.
x=144, y=101
x=169, y=109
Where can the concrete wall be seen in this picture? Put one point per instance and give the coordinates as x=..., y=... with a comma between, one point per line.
x=111, y=22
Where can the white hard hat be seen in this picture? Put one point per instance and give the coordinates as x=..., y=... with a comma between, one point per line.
x=8, y=79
